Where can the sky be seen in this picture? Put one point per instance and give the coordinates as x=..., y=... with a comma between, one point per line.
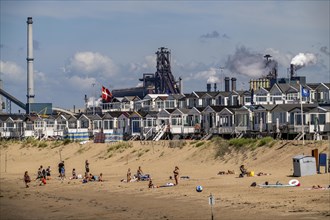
x=81, y=45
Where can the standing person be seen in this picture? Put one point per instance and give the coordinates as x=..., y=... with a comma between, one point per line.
x=60, y=165
x=62, y=175
x=27, y=179
x=129, y=175
x=48, y=172
x=87, y=166
x=176, y=175
x=139, y=173
x=40, y=174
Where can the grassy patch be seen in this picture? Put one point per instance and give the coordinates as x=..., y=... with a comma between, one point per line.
x=66, y=141
x=42, y=144
x=199, y=144
x=177, y=144
x=222, y=147
x=269, y=141
x=118, y=147
x=242, y=142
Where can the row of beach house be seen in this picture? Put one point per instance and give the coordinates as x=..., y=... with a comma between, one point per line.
x=276, y=112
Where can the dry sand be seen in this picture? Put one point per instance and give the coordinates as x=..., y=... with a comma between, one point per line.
x=113, y=199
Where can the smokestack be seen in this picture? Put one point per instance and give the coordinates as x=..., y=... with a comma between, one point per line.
x=227, y=84
x=208, y=87
x=29, y=59
x=215, y=87
x=233, y=84
x=292, y=70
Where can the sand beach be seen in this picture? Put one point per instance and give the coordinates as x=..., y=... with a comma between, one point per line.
x=200, y=161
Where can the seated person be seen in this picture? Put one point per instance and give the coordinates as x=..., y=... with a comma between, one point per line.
x=74, y=174
x=91, y=177
x=101, y=177
x=243, y=171
x=150, y=185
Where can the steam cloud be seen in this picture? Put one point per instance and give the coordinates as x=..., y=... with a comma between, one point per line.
x=248, y=63
x=303, y=59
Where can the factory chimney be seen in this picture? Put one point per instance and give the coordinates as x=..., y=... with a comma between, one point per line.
x=227, y=84
x=292, y=70
x=215, y=87
x=233, y=84
x=208, y=87
x=29, y=59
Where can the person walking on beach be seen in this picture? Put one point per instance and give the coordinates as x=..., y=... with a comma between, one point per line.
x=176, y=175
x=60, y=165
x=129, y=175
x=87, y=166
x=27, y=179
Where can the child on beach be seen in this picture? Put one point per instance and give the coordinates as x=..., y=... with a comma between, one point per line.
x=74, y=174
x=27, y=179
x=101, y=177
x=176, y=175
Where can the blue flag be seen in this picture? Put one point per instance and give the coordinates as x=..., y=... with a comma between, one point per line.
x=304, y=92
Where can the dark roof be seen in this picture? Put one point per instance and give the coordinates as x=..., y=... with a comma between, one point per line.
x=313, y=85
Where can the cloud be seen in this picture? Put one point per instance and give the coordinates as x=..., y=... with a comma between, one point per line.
x=89, y=64
x=149, y=64
x=225, y=36
x=81, y=83
x=325, y=50
x=12, y=72
x=213, y=34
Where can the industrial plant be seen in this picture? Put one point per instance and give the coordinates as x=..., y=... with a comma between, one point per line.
x=284, y=108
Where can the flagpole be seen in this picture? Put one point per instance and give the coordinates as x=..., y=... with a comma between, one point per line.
x=302, y=113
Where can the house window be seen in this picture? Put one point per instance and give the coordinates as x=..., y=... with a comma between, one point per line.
x=49, y=123
x=84, y=124
x=292, y=96
x=108, y=124
x=247, y=99
x=319, y=117
x=38, y=124
x=261, y=98
x=297, y=118
x=176, y=120
x=97, y=124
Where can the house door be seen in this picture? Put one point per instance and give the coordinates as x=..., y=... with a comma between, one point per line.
x=136, y=127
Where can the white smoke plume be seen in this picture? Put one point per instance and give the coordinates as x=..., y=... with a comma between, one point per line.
x=303, y=59
x=92, y=101
x=248, y=63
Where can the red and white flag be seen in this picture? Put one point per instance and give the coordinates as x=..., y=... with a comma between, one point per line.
x=106, y=94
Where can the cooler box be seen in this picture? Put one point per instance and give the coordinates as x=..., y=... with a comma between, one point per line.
x=304, y=165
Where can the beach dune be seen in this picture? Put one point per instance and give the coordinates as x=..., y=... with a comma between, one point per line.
x=200, y=161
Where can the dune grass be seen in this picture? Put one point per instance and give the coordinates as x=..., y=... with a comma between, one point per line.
x=224, y=147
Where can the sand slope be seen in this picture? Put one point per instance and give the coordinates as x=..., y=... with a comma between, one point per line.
x=112, y=199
